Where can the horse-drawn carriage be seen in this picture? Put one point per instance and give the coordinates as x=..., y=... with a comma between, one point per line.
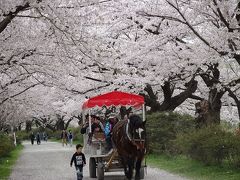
x=127, y=136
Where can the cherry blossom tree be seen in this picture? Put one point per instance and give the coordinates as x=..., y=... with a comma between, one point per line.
x=199, y=30
x=55, y=53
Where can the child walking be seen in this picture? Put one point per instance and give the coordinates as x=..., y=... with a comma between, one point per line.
x=79, y=161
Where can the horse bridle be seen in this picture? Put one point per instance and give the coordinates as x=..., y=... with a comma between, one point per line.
x=140, y=145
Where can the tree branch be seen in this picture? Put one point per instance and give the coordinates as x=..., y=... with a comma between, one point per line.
x=3, y=101
x=9, y=17
x=160, y=16
x=222, y=17
x=196, y=97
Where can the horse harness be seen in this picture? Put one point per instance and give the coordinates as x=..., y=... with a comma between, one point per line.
x=139, y=143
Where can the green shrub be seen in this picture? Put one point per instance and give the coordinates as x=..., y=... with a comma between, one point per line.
x=211, y=145
x=162, y=129
x=21, y=136
x=234, y=151
x=6, y=144
x=54, y=134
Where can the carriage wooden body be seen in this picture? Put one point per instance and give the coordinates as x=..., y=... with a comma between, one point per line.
x=100, y=161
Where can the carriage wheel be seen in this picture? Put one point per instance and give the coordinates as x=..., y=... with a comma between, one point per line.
x=92, y=168
x=100, y=171
x=142, y=173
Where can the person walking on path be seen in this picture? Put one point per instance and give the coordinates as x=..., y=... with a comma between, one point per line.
x=70, y=138
x=45, y=136
x=32, y=137
x=79, y=161
x=38, y=138
x=64, y=137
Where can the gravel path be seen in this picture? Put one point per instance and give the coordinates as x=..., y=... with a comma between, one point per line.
x=50, y=161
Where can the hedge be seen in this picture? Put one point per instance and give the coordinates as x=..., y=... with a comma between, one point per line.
x=210, y=145
x=6, y=144
x=162, y=129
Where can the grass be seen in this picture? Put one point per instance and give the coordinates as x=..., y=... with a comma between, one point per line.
x=192, y=169
x=7, y=162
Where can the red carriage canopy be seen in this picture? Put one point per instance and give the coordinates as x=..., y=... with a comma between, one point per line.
x=114, y=98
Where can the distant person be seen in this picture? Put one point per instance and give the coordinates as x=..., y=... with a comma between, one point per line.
x=70, y=138
x=32, y=137
x=79, y=161
x=46, y=137
x=64, y=137
x=41, y=136
x=38, y=138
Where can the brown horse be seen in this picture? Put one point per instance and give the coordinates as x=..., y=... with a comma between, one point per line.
x=129, y=139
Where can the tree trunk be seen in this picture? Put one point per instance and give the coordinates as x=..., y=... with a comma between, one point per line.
x=211, y=79
x=151, y=99
x=60, y=124
x=68, y=122
x=19, y=127
x=79, y=118
x=235, y=98
x=208, y=111
x=215, y=105
x=28, y=126
x=169, y=103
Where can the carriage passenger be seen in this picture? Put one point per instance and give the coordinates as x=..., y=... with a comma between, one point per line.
x=112, y=120
x=85, y=126
x=96, y=127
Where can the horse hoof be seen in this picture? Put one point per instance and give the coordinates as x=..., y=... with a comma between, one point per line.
x=137, y=178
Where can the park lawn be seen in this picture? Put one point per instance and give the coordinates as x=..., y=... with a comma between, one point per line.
x=7, y=162
x=192, y=169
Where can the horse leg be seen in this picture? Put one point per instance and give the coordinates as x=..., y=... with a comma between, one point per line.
x=124, y=163
x=130, y=168
x=138, y=167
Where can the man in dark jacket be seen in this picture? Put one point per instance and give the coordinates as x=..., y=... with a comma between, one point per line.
x=32, y=137
x=79, y=161
x=38, y=139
